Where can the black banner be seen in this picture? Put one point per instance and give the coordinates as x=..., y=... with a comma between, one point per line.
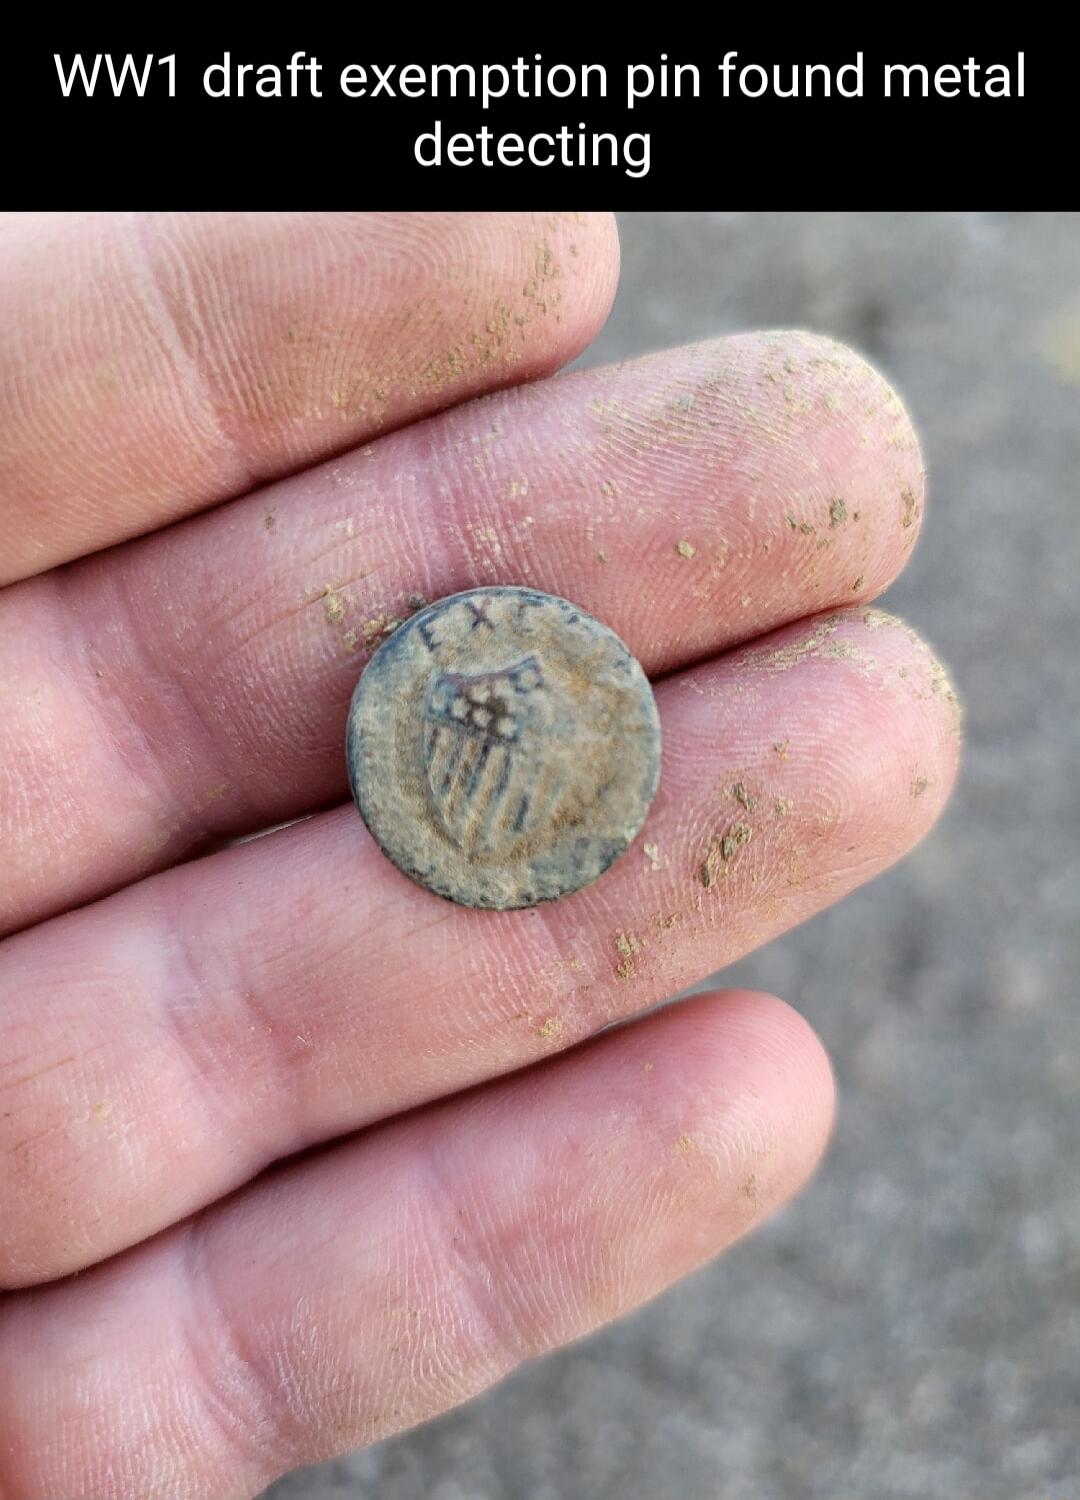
x=397, y=118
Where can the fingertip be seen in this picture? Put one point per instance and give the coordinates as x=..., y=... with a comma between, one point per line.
x=885, y=427
x=765, y=1083
x=865, y=497
x=583, y=252
x=918, y=710
x=880, y=733
x=726, y=1103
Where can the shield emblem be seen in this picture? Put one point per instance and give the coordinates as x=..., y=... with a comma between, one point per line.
x=484, y=736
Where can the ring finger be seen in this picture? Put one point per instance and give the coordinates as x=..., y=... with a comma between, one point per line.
x=169, y=1042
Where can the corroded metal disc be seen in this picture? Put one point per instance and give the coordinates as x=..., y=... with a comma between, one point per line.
x=503, y=747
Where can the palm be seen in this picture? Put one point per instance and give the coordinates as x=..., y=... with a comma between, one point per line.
x=170, y=1027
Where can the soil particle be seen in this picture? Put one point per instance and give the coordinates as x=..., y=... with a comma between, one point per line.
x=722, y=849
x=685, y=549
x=738, y=835
x=628, y=945
x=334, y=605
x=837, y=513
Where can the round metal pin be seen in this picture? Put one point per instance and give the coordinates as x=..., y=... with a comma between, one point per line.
x=503, y=747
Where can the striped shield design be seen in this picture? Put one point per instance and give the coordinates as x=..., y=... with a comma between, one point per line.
x=483, y=750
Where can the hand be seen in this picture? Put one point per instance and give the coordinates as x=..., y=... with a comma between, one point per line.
x=482, y=1176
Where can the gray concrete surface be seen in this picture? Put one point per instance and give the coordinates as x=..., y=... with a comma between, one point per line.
x=911, y=1326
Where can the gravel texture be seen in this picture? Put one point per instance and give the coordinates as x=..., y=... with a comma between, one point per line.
x=911, y=1326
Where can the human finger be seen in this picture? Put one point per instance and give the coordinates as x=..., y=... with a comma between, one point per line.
x=194, y=685
x=155, y=364
x=170, y=1042
x=367, y=1289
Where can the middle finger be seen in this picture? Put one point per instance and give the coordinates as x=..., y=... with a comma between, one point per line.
x=194, y=683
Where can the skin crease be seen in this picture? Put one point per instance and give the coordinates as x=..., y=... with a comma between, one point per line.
x=729, y=509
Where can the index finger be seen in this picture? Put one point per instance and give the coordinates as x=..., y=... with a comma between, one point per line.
x=152, y=365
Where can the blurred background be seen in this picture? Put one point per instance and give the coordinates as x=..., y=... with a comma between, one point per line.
x=910, y=1327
